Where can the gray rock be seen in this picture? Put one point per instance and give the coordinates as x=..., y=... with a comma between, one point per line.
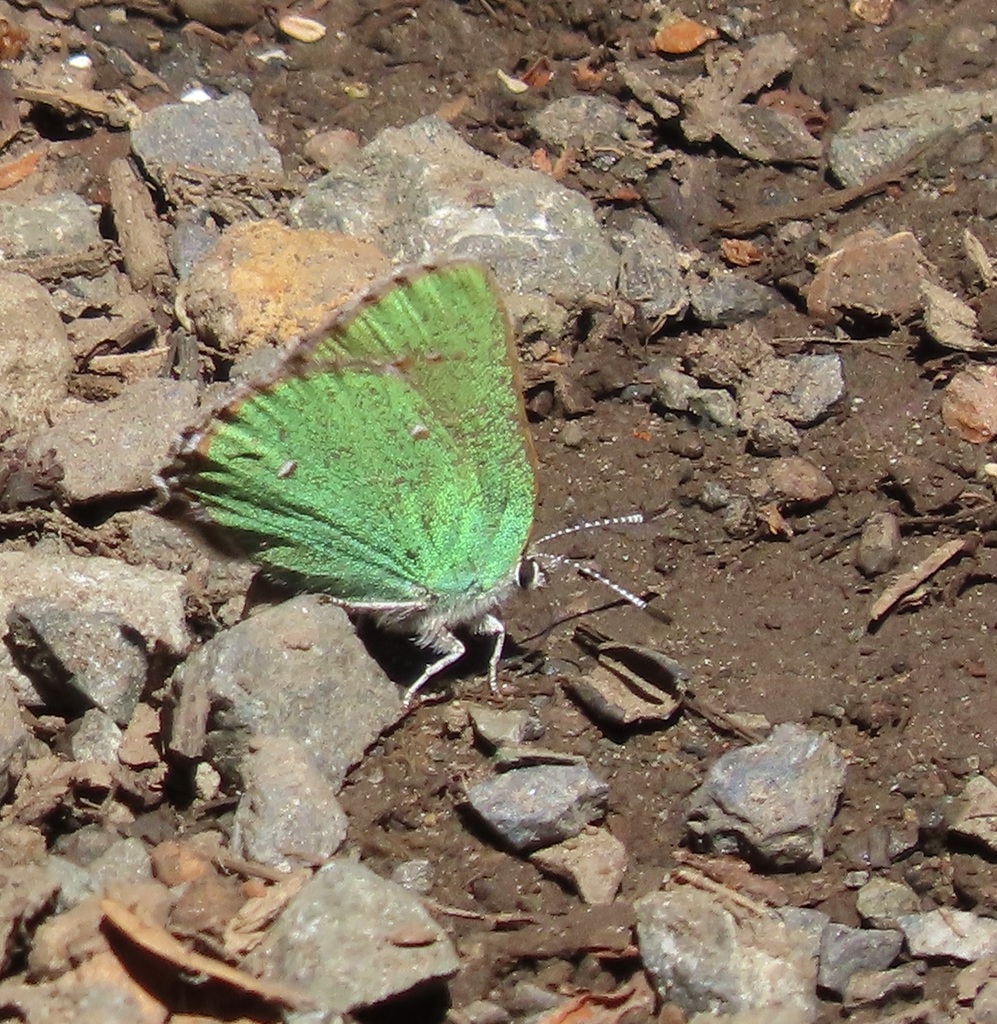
x=288, y=815
x=124, y=861
x=14, y=740
x=880, y=902
x=50, y=225
x=878, y=544
x=415, y=875
x=703, y=958
x=878, y=135
x=740, y=518
x=772, y=801
x=350, y=939
x=296, y=671
x=112, y=449
x=652, y=272
x=223, y=136
x=674, y=390
x=79, y=659
x=500, y=728
x=191, y=239
x=844, y=950
x=714, y=496
x=578, y=121
x=801, y=389
x=951, y=934
x=716, y=405
x=873, y=988
x=770, y=436
x=35, y=356
x=807, y=926
x=96, y=737
x=540, y=805
x=421, y=191
x=148, y=601
x=729, y=299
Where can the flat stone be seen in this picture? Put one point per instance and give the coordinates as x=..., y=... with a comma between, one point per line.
x=729, y=299
x=148, y=601
x=872, y=275
x=880, y=902
x=421, y=192
x=223, y=136
x=873, y=988
x=879, y=544
x=883, y=132
x=975, y=813
x=350, y=940
x=51, y=225
x=112, y=449
x=593, y=862
x=969, y=404
x=797, y=483
x=288, y=815
x=539, y=805
x=578, y=121
x=950, y=934
x=35, y=355
x=705, y=959
x=773, y=801
x=79, y=659
x=652, y=272
x=844, y=951
x=298, y=671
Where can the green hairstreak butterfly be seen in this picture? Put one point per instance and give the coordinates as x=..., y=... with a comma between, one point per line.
x=387, y=462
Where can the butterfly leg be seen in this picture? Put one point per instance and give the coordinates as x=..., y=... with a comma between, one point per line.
x=449, y=649
x=493, y=627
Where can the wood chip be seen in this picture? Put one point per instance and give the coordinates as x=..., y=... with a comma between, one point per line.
x=909, y=581
x=159, y=942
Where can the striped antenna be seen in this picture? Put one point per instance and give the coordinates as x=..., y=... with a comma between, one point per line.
x=594, y=524
x=547, y=559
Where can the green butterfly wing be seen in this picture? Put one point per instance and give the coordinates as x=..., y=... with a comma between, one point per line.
x=389, y=459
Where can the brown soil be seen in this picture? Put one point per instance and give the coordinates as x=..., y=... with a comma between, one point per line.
x=771, y=626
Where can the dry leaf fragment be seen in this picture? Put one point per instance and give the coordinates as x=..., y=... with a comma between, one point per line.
x=909, y=581
x=13, y=171
x=586, y=78
x=159, y=942
x=739, y=252
x=538, y=74
x=304, y=30
x=682, y=35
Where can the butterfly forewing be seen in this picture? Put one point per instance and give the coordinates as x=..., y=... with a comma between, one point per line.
x=389, y=460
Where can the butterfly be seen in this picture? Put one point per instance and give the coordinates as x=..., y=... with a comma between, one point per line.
x=387, y=462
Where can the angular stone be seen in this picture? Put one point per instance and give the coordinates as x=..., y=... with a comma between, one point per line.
x=540, y=805
x=299, y=671
x=772, y=801
x=223, y=136
x=350, y=940
x=421, y=191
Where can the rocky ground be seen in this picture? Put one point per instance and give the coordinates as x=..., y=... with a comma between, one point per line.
x=750, y=256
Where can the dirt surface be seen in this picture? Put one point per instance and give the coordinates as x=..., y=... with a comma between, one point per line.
x=772, y=625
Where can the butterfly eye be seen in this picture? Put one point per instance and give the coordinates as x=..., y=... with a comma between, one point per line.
x=529, y=574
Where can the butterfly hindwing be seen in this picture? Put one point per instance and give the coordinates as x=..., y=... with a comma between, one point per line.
x=388, y=459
